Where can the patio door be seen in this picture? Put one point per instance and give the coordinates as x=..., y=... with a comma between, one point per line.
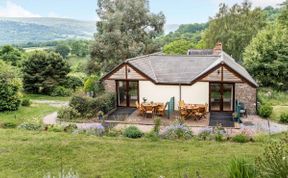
x=221, y=97
x=127, y=93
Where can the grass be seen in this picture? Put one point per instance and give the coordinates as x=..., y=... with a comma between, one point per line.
x=34, y=154
x=47, y=97
x=278, y=99
x=26, y=113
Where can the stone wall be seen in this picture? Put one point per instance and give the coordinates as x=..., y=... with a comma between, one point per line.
x=247, y=95
x=110, y=85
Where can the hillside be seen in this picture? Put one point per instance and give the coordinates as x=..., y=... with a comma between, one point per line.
x=42, y=29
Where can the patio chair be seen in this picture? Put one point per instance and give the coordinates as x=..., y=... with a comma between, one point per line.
x=149, y=110
x=200, y=113
x=182, y=109
x=139, y=108
x=161, y=109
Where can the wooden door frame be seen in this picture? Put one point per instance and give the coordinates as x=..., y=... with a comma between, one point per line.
x=126, y=92
x=221, y=92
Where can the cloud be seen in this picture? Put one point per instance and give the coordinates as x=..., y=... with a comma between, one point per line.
x=13, y=10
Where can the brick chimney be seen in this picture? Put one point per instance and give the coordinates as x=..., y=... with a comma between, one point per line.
x=217, y=49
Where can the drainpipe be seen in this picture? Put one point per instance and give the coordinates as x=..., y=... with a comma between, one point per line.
x=180, y=92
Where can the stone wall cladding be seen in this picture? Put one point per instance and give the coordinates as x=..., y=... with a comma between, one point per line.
x=110, y=86
x=248, y=95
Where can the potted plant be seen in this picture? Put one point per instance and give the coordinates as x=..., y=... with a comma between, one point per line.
x=100, y=115
x=235, y=116
x=144, y=99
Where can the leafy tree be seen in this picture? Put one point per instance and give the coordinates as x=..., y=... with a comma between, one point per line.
x=234, y=27
x=44, y=71
x=178, y=47
x=10, y=54
x=126, y=29
x=63, y=50
x=191, y=32
x=79, y=48
x=10, y=84
x=266, y=57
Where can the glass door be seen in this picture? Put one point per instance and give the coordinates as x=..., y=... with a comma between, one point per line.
x=215, y=96
x=221, y=97
x=133, y=93
x=228, y=97
x=127, y=93
x=122, y=93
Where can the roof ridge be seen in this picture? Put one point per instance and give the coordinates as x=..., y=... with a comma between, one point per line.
x=142, y=56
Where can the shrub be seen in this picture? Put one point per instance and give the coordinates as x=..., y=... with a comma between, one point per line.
x=132, y=132
x=106, y=102
x=157, y=124
x=153, y=136
x=284, y=117
x=68, y=113
x=273, y=162
x=26, y=102
x=177, y=131
x=240, y=168
x=219, y=133
x=265, y=110
x=61, y=91
x=205, y=134
x=10, y=86
x=29, y=126
x=8, y=125
x=112, y=133
x=80, y=103
x=73, y=82
x=99, y=130
x=241, y=138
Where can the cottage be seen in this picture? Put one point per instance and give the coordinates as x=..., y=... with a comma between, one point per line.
x=201, y=76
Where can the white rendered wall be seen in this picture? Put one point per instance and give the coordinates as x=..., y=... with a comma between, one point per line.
x=197, y=93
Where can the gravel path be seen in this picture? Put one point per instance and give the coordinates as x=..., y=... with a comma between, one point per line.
x=57, y=104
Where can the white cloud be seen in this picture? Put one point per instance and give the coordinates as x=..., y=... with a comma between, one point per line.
x=13, y=10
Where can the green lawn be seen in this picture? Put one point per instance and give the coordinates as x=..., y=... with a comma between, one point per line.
x=26, y=113
x=46, y=97
x=279, y=101
x=34, y=154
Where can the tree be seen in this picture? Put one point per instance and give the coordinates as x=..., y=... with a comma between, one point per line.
x=43, y=71
x=10, y=85
x=178, y=47
x=79, y=48
x=266, y=57
x=63, y=50
x=10, y=54
x=126, y=29
x=234, y=27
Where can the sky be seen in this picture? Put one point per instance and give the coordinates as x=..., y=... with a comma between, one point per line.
x=176, y=11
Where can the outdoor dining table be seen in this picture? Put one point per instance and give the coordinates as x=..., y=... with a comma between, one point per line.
x=191, y=109
x=154, y=105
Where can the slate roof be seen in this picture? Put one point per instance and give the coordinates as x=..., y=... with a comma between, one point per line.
x=167, y=69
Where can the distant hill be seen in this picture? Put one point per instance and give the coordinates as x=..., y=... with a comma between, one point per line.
x=43, y=29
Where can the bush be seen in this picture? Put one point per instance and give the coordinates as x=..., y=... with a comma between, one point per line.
x=68, y=113
x=157, y=124
x=89, y=107
x=205, y=134
x=61, y=91
x=70, y=128
x=153, y=136
x=99, y=130
x=274, y=162
x=265, y=110
x=80, y=103
x=29, y=126
x=10, y=86
x=73, y=82
x=284, y=117
x=219, y=133
x=240, y=138
x=26, y=102
x=8, y=125
x=132, y=132
x=177, y=131
x=240, y=168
